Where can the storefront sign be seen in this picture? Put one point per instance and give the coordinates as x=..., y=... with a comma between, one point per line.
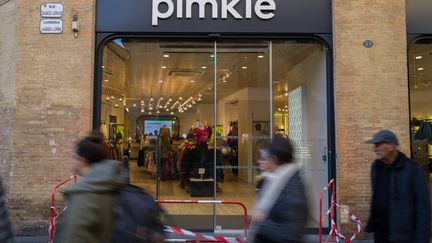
x=263, y=9
x=214, y=16
x=52, y=10
x=51, y=26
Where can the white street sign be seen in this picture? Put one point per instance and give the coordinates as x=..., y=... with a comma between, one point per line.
x=52, y=10
x=51, y=26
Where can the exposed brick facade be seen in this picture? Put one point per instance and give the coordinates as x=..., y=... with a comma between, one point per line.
x=46, y=97
x=47, y=104
x=371, y=89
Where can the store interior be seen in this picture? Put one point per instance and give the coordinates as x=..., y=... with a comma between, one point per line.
x=191, y=117
x=420, y=80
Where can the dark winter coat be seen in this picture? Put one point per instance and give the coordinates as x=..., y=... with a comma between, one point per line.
x=286, y=221
x=409, y=210
x=89, y=215
x=5, y=226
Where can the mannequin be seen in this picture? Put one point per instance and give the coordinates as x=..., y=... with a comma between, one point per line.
x=200, y=135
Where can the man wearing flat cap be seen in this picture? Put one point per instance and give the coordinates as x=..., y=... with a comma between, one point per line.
x=400, y=207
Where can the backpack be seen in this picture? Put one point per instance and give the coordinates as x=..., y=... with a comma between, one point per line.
x=138, y=217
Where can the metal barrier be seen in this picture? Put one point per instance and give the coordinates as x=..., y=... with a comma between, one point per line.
x=245, y=213
x=331, y=212
x=204, y=238
x=53, y=214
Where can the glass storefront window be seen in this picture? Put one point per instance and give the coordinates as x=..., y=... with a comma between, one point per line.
x=194, y=114
x=420, y=85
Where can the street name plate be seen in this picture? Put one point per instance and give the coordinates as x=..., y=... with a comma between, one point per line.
x=51, y=26
x=52, y=10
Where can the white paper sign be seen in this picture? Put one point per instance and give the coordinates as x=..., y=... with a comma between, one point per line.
x=52, y=10
x=51, y=26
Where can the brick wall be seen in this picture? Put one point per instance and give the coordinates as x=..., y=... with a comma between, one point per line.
x=370, y=89
x=53, y=92
x=7, y=87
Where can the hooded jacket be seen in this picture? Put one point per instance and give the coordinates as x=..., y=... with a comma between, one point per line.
x=89, y=213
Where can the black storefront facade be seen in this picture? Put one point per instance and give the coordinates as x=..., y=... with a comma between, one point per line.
x=221, y=25
x=419, y=40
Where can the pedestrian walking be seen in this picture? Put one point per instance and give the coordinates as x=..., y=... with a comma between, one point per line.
x=5, y=226
x=281, y=208
x=89, y=214
x=400, y=208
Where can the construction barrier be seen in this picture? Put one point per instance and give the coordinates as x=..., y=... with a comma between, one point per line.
x=334, y=233
x=202, y=238
x=53, y=214
x=245, y=213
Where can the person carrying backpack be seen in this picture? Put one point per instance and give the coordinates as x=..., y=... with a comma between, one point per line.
x=89, y=216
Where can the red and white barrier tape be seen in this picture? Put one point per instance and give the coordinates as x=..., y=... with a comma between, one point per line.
x=179, y=231
x=334, y=227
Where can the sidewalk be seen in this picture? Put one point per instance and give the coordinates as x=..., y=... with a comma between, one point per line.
x=31, y=239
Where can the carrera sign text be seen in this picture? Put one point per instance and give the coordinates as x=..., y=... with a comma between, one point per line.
x=263, y=9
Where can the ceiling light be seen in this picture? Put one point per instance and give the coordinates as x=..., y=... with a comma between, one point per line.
x=190, y=106
x=212, y=56
x=151, y=108
x=172, y=113
x=107, y=98
x=180, y=98
x=142, y=101
x=106, y=80
x=166, y=110
x=160, y=81
x=157, y=112
x=199, y=99
x=112, y=96
x=166, y=55
x=224, y=81
x=150, y=113
x=134, y=105
x=151, y=99
x=127, y=109
x=244, y=67
x=260, y=56
x=116, y=105
x=103, y=67
x=420, y=69
x=192, y=81
x=204, y=67
x=120, y=99
x=142, y=110
x=161, y=98
x=419, y=57
x=164, y=67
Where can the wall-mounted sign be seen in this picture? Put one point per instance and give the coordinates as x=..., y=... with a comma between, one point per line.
x=263, y=9
x=52, y=10
x=51, y=26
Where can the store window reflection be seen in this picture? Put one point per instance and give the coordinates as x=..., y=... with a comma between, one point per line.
x=420, y=70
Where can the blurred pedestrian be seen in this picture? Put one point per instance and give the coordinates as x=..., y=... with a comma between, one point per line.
x=89, y=214
x=5, y=226
x=281, y=208
x=400, y=207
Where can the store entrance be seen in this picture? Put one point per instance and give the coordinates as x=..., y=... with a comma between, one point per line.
x=192, y=116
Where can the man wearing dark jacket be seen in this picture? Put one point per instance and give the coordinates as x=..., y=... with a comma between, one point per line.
x=400, y=207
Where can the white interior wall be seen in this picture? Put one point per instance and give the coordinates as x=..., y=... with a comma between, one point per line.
x=311, y=74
